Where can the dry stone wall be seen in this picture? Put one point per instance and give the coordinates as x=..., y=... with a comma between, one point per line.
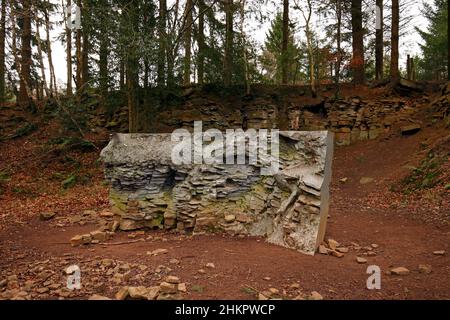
x=289, y=208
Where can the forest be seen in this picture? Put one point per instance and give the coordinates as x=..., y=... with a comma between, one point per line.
x=127, y=46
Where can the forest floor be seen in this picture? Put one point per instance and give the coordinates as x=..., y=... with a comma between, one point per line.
x=373, y=220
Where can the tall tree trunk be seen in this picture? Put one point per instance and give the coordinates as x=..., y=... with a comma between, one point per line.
x=201, y=42
x=244, y=50
x=25, y=68
x=338, y=43
x=122, y=75
x=309, y=42
x=78, y=54
x=358, y=42
x=285, y=42
x=41, y=58
x=228, y=56
x=53, y=88
x=85, y=60
x=69, y=48
x=187, y=42
x=379, y=43
x=162, y=35
x=103, y=55
x=132, y=69
x=2, y=52
x=395, y=73
x=103, y=65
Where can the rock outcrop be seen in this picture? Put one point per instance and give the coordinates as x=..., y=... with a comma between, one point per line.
x=290, y=208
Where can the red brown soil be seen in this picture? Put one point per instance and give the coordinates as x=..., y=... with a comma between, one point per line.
x=365, y=214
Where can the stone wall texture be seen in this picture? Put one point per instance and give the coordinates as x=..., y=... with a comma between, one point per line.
x=352, y=119
x=289, y=208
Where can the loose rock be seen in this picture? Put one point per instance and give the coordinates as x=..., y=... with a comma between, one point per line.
x=400, y=271
x=44, y=216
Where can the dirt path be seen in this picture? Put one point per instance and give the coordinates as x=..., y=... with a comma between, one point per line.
x=361, y=215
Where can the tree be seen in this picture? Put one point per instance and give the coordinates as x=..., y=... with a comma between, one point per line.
x=201, y=42
x=2, y=51
x=53, y=87
x=24, y=98
x=78, y=54
x=228, y=55
x=307, y=16
x=379, y=43
x=187, y=42
x=395, y=73
x=162, y=48
x=272, y=58
x=41, y=58
x=285, y=43
x=357, y=62
x=434, y=61
x=69, y=47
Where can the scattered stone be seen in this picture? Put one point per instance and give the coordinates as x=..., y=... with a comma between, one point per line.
x=342, y=249
x=210, y=265
x=323, y=249
x=295, y=285
x=86, y=238
x=262, y=297
x=89, y=213
x=230, y=218
x=182, y=287
x=274, y=291
x=143, y=292
x=44, y=216
x=122, y=294
x=98, y=235
x=267, y=278
x=361, y=260
x=98, y=297
x=337, y=254
x=76, y=241
x=157, y=252
x=439, y=252
x=166, y=287
x=400, y=271
x=410, y=129
x=201, y=271
x=425, y=268
x=106, y=214
x=374, y=245
x=172, y=279
x=315, y=296
x=333, y=244
x=42, y=290
x=343, y=180
x=366, y=180
x=371, y=253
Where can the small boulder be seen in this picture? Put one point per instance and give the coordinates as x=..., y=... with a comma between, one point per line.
x=361, y=260
x=425, y=268
x=400, y=271
x=44, y=216
x=315, y=296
